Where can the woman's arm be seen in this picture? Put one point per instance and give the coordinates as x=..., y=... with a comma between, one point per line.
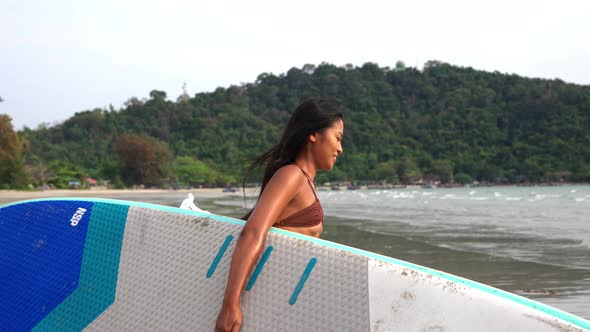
x=279, y=191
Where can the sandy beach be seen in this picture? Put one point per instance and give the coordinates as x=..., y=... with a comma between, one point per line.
x=7, y=196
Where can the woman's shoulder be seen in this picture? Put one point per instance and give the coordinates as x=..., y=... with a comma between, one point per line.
x=289, y=173
x=289, y=170
x=287, y=180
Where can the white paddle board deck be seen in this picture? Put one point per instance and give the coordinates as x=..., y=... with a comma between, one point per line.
x=71, y=264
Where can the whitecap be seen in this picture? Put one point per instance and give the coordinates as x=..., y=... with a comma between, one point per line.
x=537, y=198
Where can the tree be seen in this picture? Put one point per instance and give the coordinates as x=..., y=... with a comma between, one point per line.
x=193, y=172
x=12, y=168
x=158, y=95
x=463, y=178
x=408, y=172
x=61, y=173
x=387, y=171
x=143, y=159
x=308, y=68
x=442, y=170
x=400, y=65
x=133, y=101
x=39, y=172
x=110, y=170
x=432, y=64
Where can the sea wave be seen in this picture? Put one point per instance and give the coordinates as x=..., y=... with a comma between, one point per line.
x=513, y=198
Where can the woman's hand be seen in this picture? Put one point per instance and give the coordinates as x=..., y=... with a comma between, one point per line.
x=229, y=319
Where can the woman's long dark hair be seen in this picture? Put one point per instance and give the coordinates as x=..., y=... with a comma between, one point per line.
x=311, y=116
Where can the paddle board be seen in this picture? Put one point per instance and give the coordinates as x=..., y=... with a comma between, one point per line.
x=71, y=264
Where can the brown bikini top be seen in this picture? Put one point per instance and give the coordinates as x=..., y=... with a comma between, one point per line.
x=310, y=216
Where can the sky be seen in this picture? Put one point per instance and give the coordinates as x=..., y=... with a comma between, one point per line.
x=61, y=57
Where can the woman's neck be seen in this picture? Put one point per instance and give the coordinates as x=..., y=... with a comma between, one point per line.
x=307, y=166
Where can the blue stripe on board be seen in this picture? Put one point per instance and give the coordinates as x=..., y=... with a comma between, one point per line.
x=302, y=280
x=100, y=269
x=220, y=253
x=259, y=267
x=557, y=313
x=41, y=247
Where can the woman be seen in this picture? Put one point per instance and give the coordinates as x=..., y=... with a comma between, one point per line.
x=288, y=200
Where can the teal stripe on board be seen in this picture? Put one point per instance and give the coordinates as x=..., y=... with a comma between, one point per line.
x=302, y=281
x=219, y=255
x=98, y=276
x=259, y=268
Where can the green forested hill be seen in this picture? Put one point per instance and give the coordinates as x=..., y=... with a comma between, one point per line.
x=444, y=122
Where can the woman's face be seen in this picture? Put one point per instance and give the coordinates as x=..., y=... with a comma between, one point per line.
x=328, y=145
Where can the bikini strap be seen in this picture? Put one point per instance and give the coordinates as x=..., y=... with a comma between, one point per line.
x=309, y=180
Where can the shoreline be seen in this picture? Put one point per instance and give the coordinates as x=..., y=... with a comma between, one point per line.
x=7, y=196
x=218, y=192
